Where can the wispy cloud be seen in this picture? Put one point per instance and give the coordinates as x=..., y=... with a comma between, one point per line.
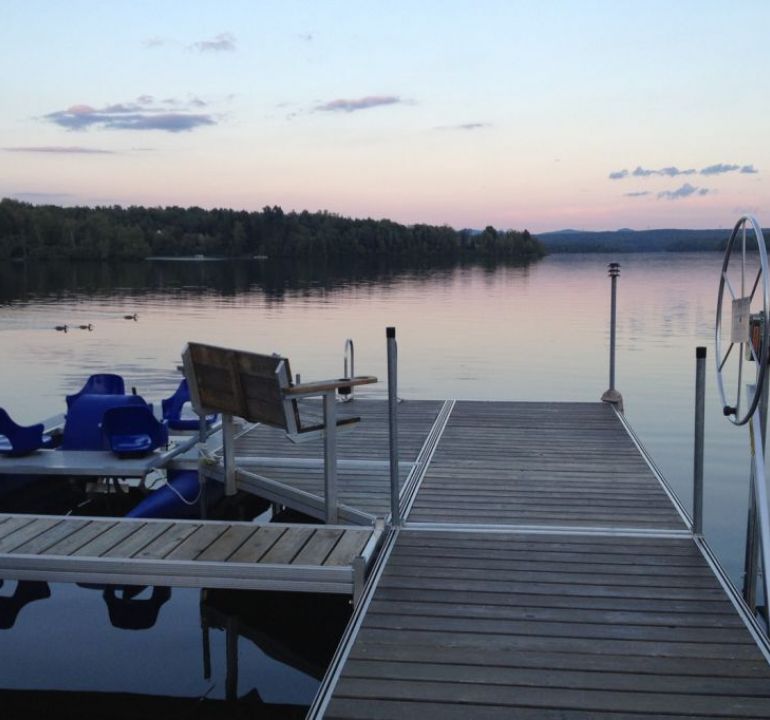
x=639, y=171
x=639, y=193
x=364, y=103
x=683, y=192
x=465, y=126
x=59, y=150
x=140, y=114
x=224, y=42
x=719, y=169
x=673, y=171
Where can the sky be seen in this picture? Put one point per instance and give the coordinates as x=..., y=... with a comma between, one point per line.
x=540, y=115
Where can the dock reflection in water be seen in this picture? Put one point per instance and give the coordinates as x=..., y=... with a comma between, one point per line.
x=128, y=652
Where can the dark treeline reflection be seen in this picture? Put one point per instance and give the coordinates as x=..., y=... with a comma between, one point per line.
x=22, y=282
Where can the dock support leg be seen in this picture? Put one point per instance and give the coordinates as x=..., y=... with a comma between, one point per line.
x=330, y=457
x=700, y=402
x=395, y=510
x=228, y=442
x=359, y=578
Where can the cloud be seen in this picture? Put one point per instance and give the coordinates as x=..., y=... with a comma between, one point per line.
x=59, y=150
x=719, y=169
x=640, y=193
x=224, y=42
x=364, y=103
x=670, y=171
x=140, y=114
x=673, y=171
x=685, y=191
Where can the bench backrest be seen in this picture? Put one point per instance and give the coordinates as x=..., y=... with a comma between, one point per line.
x=239, y=383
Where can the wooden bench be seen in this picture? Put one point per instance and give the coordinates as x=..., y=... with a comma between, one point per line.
x=258, y=388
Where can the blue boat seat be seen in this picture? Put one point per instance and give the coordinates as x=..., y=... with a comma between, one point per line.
x=100, y=384
x=82, y=428
x=132, y=430
x=17, y=440
x=172, y=410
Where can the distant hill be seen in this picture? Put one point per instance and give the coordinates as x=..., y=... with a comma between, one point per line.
x=626, y=240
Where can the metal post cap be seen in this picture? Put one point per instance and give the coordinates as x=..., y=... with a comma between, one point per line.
x=613, y=269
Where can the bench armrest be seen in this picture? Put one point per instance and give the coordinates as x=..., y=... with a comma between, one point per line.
x=322, y=387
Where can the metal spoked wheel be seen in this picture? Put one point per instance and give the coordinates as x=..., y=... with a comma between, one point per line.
x=742, y=336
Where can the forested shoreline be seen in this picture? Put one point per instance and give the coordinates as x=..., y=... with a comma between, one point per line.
x=44, y=232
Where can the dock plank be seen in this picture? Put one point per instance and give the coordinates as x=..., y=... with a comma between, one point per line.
x=49, y=537
x=316, y=552
x=481, y=632
x=227, y=543
x=106, y=540
x=350, y=545
x=197, y=543
x=83, y=535
x=24, y=533
x=137, y=540
x=255, y=547
x=288, y=546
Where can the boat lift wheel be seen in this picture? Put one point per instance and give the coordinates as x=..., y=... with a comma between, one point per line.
x=742, y=326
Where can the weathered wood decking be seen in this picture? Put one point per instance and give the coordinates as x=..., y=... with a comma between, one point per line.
x=363, y=452
x=183, y=553
x=543, y=572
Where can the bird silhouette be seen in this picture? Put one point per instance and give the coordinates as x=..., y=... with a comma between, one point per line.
x=88, y=327
x=131, y=317
x=61, y=328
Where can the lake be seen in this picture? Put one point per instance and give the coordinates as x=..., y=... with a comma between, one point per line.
x=538, y=332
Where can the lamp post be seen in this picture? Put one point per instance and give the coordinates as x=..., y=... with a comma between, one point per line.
x=612, y=395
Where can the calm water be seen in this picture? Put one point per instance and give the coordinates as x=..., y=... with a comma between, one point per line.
x=511, y=333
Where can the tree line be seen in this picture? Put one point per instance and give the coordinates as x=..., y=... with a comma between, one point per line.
x=37, y=232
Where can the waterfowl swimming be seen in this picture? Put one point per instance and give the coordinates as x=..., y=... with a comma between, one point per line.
x=86, y=327
x=131, y=317
x=61, y=328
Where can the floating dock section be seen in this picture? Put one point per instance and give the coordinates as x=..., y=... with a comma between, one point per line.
x=544, y=571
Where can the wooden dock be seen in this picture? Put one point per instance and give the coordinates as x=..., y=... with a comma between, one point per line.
x=186, y=553
x=542, y=568
x=543, y=571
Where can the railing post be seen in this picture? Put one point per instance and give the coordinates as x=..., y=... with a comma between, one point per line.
x=330, y=457
x=612, y=395
x=228, y=449
x=390, y=334
x=346, y=393
x=697, y=485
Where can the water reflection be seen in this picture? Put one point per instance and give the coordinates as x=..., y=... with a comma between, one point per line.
x=279, y=624
x=45, y=282
x=25, y=592
x=134, y=649
x=128, y=611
